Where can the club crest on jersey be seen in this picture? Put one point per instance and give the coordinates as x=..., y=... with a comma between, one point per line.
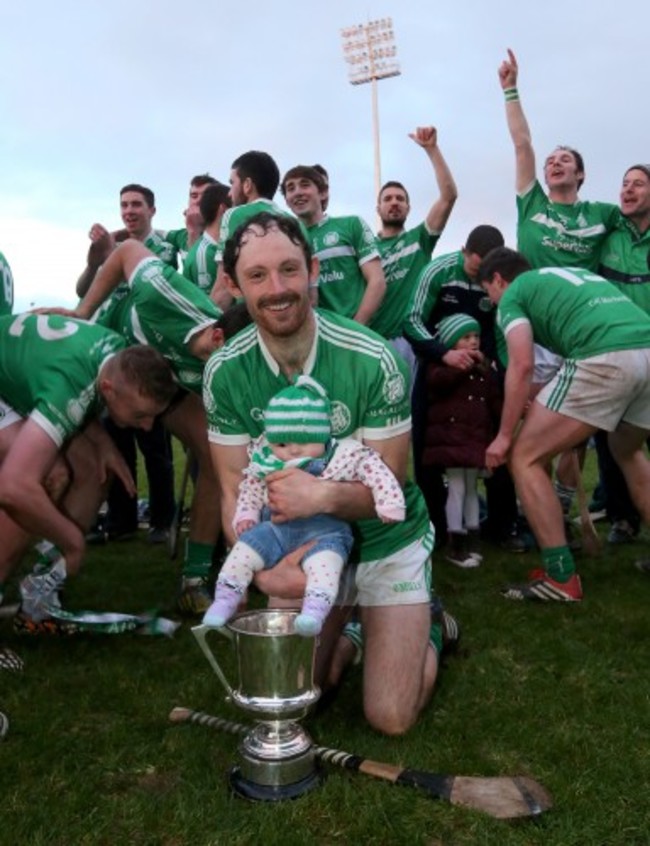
x=189, y=377
x=75, y=411
x=394, y=389
x=485, y=304
x=77, y=408
x=330, y=239
x=340, y=418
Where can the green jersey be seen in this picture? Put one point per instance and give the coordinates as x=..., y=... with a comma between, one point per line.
x=442, y=289
x=403, y=257
x=237, y=215
x=342, y=245
x=6, y=287
x=573, y=313
x=367, y=386
x=177, y=238
x=159, y=244
x=562, y=235
x=625, y=262
x=49, y=366
x=200, y=265
x=163, y=309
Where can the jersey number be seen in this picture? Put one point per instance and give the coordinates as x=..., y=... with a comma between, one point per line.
x=45, y=331
x=571, y=276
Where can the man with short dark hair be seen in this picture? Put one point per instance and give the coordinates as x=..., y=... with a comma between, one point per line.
x=445, y=287
x=351, y=281
x=183, y=239
x=254, y=179
x=624, y=262
x=137, y=209
x=56, y=375
x=200, y=265
x=404, y=253
x=604, y=342
x=555, y=228
x=269, y=263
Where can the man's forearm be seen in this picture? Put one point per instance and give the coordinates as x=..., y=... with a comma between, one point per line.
x=29, y=505
x=105, y=282
x=85, y=280
x=374, y=293
x=441, y=209
x=517, y=385
x=348, y=501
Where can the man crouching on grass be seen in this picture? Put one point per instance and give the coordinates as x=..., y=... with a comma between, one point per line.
x=56, y=376
x=269, y=263
x=603, y=383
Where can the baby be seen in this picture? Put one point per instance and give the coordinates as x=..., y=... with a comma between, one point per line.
x=298, y=434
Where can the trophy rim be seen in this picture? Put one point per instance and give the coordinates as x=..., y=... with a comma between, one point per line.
x=289, y=613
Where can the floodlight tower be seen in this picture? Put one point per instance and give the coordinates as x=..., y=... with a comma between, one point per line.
x=370, y=51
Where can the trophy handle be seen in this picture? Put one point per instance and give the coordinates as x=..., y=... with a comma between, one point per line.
x=200, y=633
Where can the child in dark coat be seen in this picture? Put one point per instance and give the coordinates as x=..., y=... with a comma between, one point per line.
x=463, y=410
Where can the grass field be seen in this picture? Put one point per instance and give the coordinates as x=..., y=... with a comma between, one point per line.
x=559, y=693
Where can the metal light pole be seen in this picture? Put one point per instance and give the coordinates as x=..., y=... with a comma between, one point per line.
x=370, y=51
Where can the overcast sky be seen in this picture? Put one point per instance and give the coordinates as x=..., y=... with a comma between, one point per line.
x=94, y=95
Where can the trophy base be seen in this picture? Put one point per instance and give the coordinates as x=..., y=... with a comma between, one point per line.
x=257, y=792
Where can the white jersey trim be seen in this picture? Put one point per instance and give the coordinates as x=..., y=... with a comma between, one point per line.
x=136, y=327
x=585, y=232
x=518, y=321
x=46, y=425
x=407, y=250
x=386, y=432
x=528, y=189
x=228, y=440
x=368, y=258
x=140, y=264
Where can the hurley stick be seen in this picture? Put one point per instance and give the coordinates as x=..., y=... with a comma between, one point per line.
x=590, y=539
x=175, y=528
x=503, y=797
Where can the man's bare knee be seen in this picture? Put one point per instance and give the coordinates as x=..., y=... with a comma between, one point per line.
x=390, y=718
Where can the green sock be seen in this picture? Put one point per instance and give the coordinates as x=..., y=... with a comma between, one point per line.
x=558, y=563
x=198, y=559
x=48, y=554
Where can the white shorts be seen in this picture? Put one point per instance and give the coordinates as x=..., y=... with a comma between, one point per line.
x=603, y=390
x=547, y=364
x=403, y=578
x=7, y=415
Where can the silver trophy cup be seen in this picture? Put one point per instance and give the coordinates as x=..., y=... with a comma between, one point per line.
x=275, y=668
